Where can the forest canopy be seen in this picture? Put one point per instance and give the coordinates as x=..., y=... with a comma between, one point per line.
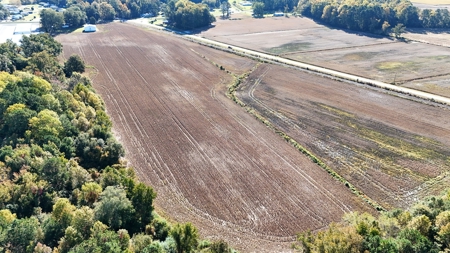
x=423, y=228
x=373, y=15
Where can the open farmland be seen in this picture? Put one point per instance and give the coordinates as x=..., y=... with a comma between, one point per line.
x=412, y=64
x=394, y=150
x=209, y=160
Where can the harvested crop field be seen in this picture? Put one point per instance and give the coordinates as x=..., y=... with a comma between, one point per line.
x=387, y=63
x=393, y=149
x=375, y=57
x=280, y=35
x=210, y=161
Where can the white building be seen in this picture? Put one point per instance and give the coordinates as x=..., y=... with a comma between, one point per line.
x=90, y=28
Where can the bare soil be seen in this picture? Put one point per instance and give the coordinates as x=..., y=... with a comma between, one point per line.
x=393, y=149
x=389, y=63
x=210, y=162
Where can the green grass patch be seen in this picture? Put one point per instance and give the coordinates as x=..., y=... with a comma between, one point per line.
x=359, y=56
x=394, y=145
x=389, y=148
x=289, y=47
x=77, y=30
x=398, y=66
x=400, y=147
x=337, y=111
x=389, y=65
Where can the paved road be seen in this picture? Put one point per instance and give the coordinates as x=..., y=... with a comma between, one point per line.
x=345, y=76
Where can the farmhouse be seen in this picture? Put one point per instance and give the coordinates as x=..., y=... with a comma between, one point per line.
x=90, y=28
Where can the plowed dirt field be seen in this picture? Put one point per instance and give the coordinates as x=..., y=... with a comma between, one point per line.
x=393, y=149
x=210, y=161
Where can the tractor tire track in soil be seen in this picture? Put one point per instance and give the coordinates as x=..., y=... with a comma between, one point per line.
x=210, y=162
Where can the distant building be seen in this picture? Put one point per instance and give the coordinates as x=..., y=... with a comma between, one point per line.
x=90, y=28
x=246, y=3
x=278, y=14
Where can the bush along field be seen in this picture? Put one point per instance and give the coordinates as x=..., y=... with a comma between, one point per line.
x=423, y=228
x=64, y=186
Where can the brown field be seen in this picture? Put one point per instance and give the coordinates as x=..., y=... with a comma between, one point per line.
x=210, y=161
x=393, y=149
x=411, y=64
x=386, y=63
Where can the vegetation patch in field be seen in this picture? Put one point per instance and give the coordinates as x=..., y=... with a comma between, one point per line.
x=395, y=145
x=390, y=65
x=360, y=56
x=440, y=57
x=289, y=47
x=337, y=111
x=390, y=150
x=398, y=66
x=400, y=147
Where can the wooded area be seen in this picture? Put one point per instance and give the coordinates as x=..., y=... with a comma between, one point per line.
x=423, y=228
x=373, y=16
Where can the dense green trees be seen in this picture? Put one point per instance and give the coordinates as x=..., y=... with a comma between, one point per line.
x=423, y=228
x=74, y=64
x=278, y=5
x=185, y=14
x=51, y=20
x=79, y=13
x=74, y=16
x=258, y=9
x=4, y=13
x=106, y=11
x=185, y=237
x=37, y=43
x=373, y=16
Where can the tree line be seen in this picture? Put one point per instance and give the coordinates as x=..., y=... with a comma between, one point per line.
x=373, y=16
x=277, y=5
x=185, y=14
x=64, y=184
x=81, y=12
x=425, y=228
x=4, y=13
x=182, y=14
